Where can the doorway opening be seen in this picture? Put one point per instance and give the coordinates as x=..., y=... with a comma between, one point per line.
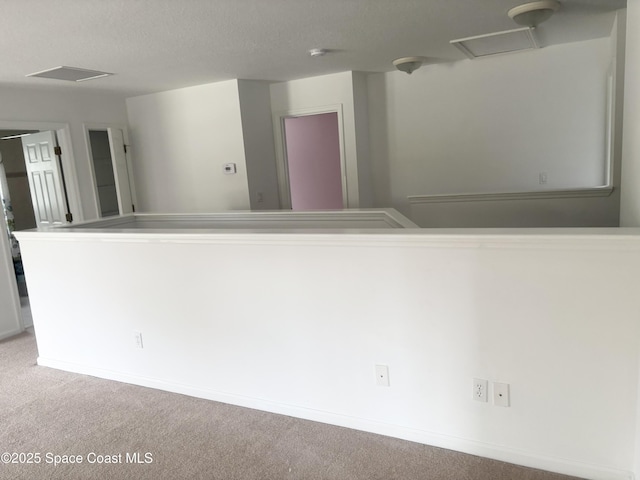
x=311, y=163
x=103, y=171
x=312, y=144
x=17, y=207
x=34, y=161
x=111, y=171
x=57, y=152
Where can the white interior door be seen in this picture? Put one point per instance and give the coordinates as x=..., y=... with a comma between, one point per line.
x=45, y=178
x=120, y=170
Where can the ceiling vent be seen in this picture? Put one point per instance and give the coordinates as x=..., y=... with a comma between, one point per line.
x=70, y=74
x=498, y=43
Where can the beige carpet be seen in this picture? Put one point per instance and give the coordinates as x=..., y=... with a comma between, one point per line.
x=49, y=411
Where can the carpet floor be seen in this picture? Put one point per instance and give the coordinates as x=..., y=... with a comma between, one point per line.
x=123, y=431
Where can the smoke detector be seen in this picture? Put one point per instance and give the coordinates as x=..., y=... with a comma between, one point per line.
x=408, y=64
x=534, y=13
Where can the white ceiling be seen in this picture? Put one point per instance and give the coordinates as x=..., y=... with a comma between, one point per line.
x=156, y=45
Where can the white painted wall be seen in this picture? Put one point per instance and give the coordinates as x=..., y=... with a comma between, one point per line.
x=630, y=202
x=257, y=131
x=492, y=125
x=618, y=55
x=74, y=108
x=180, y=141
x=361, y=114
x=554, y=315
x=323, y=91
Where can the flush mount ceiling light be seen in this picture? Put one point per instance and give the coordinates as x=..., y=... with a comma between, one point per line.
x=318, y=52
x=534, y=13
x=408, y=64
x=70, y=74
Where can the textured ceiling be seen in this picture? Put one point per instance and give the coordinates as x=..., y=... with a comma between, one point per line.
x=155, y=45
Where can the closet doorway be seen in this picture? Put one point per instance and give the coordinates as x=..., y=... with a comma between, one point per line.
x=311, y=164
x=111, y=171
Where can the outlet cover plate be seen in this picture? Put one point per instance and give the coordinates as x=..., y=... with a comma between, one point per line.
x=501, y=394
x=382, y=375
x=480, y=387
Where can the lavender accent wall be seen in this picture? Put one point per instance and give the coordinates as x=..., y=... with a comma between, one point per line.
x=313, y=157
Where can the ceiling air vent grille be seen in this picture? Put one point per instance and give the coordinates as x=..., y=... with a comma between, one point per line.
x=498, y=43
x=71, y=74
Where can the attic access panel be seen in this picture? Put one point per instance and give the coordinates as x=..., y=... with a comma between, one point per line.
x=497, y=43
x=71, y=74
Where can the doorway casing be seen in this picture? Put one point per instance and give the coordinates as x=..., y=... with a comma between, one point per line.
x=87, y=127
x=284, y=186
x=68, y=162
x=14, y=323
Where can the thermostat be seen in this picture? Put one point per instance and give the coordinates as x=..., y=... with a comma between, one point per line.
x=229, y=168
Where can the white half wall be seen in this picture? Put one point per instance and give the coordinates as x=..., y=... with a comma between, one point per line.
x=295, y=323
x=62, y=106
x=181, y=140
x=493, y=125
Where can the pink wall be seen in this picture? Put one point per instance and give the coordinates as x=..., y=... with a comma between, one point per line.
x=313, y=156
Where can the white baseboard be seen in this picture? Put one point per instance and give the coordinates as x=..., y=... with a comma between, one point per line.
x=11, y=333
x=473, y=447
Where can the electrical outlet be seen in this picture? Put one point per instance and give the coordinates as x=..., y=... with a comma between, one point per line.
x=382, y=375
x=480, y=387
x=138, y=338
x=501, y=394
x=260, y=197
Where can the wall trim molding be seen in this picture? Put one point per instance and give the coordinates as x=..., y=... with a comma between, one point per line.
x=464, y=445
x=603, y=191
x=10, y=333
x=566, y=239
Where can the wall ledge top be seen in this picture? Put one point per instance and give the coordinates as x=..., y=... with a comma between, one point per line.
x=603, y=191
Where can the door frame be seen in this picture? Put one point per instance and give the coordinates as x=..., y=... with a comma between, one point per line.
x=87, y=141
x=282, y=165
x=63, y=135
